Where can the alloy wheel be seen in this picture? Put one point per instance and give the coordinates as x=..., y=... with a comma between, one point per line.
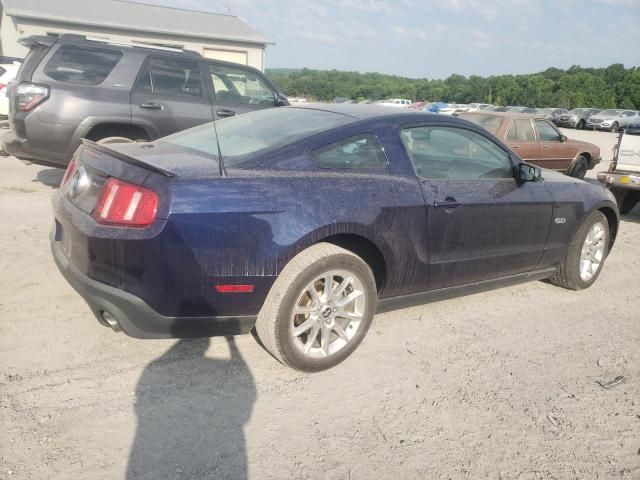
x=592, y=253
x=328, y=313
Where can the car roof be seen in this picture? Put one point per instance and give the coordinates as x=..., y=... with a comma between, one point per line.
x=362, y=111
x=506, y=114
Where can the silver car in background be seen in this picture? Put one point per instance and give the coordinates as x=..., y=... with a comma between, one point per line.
x=612, y=120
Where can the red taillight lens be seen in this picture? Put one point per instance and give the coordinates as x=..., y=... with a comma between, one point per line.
x=125, y=204
x=30, y=95
x=70, y=169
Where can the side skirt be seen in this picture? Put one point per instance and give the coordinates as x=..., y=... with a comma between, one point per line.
x=414, y=299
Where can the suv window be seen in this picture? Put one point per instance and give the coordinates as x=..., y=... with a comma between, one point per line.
x=242, y=86
x=546, y=132
x=360, y=152
x=81, y=65
x=165, y=76
x=521, y=130
x=455, y=153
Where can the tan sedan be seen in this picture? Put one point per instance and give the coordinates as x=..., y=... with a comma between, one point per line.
x=537, y=141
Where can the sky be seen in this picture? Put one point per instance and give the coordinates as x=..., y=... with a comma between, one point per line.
x=436, y=38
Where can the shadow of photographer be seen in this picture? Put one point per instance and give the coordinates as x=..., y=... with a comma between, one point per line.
x=191, y=411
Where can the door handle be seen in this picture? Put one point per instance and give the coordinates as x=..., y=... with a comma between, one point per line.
x=223, y=112
x=448, y=202
x=151, y=106
x=515, y=147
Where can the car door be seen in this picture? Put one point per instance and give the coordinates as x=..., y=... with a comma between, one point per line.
x=238, y=90
x=169, y=95
x=521, y=138
x=627, y=117
x=482, y=223
x=555, y=153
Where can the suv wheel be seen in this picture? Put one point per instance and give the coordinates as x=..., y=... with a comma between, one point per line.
x=614, y=127
x=625, y=199
x=105, y=141
x=580, y=125
x=319, y=308
x=586, y=254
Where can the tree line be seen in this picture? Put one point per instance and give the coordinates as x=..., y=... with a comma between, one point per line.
x=612, y=87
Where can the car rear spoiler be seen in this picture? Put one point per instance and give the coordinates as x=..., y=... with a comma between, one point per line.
x=127, y=158
x=35, y=40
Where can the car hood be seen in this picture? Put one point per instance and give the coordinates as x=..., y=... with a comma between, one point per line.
x=557, y=177
x=603, y=117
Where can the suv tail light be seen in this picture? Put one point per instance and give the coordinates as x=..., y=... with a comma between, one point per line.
x=30, y=95
x=126, y=204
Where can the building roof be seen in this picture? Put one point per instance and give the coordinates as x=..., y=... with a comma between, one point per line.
x=140, y=17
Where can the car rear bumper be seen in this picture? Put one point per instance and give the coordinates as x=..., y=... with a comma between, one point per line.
x=22, y=149
x=627, y=181
x=123, y=311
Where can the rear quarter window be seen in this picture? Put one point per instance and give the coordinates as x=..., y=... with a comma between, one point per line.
x=81, y=65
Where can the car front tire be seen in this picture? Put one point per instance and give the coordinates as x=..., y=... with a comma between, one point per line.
x=585, y=255
x=319, y=309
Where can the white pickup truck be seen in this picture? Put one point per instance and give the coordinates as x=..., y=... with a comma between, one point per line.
x=623, y=176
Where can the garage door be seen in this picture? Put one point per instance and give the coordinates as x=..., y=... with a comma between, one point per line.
x=226, y=55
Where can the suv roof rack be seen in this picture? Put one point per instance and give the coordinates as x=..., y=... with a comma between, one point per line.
x=48, y=40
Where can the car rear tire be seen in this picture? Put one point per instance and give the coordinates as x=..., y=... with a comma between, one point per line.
x=580, y=125
x=614, y=127
x=586, y=254
x=107, y=140
x=310, y=327
x=580, y=167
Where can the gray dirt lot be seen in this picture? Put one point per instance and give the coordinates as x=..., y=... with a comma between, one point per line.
x=495, y=385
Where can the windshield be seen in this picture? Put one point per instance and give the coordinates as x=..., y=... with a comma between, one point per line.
x=251, y=133
x=612, y=113
x=488, y=122
x=544, y=110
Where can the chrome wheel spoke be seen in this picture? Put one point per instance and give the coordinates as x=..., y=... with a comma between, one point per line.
x=311, y=289
x=304, y=310
x=349, y=315
x=305, y=326
x=328, y=287
x=343, y=286
x=311, y=339
x=340, y=332
x=324, y=340
x=348, y=299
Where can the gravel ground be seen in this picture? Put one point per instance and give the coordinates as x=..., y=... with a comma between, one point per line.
x=504, y=384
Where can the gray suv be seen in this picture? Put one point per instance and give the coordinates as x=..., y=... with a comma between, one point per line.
x=70, y=88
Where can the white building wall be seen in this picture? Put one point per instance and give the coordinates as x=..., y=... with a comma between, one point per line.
x=11, y=30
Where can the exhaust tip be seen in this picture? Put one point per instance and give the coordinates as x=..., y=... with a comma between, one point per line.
x=110, y=321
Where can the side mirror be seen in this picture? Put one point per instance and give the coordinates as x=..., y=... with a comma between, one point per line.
x=281, y=101
x=528, y=173
x=563, y=138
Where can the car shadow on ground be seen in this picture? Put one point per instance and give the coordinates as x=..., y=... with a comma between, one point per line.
x=50, y=177
x=191, y=410
x=633, y=216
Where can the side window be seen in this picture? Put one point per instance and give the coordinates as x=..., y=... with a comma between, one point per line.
x=360, y=152
x=455, y=153
x=546, y=132
x=164, y=76
x=81, y=65
x=521, y=130
x=628, y=114
x=243, y=86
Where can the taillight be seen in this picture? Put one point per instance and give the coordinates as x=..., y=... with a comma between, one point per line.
x=2, y=85
x=126, y=204
x=70, y=169
x=30, y=95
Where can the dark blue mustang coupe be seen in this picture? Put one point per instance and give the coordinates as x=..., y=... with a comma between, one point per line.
x=305, y=222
